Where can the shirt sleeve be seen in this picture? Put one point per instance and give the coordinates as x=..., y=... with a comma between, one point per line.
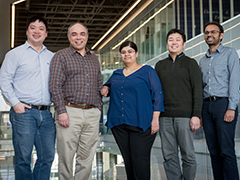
x=56, y=82
x=100, y=81
x=108, y=83
x=196, y=83
x=156, y=91
x=234, y=74
x=7, y=74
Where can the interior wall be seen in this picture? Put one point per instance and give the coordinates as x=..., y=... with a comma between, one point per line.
x=5, y=30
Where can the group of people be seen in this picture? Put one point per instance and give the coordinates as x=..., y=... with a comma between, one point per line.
x=176, y=98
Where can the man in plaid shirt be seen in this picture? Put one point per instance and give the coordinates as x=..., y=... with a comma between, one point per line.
x=75, y=82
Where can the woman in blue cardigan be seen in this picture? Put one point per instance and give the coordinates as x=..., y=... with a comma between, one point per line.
x=136, y=100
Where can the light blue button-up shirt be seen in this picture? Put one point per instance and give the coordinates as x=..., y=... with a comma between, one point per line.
x=24, y=75
x=221, y=73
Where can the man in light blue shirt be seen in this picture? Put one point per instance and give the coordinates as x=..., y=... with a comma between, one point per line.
x=24, y=78
x=220, y=73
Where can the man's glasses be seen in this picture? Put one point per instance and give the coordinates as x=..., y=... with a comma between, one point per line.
x=212, y=32
x=128, y=51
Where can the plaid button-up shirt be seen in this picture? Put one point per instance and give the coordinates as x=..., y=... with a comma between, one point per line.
x=75, y=78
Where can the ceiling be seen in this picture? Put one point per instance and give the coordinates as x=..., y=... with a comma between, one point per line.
x=97, y=15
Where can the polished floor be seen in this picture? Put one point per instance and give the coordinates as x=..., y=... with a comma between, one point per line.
x=108, y=164
x=115, y=171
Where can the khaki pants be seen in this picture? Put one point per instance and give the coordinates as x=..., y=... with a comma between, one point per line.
x=80, y=138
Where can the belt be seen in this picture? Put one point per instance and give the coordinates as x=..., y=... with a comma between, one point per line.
x=82, y=106
x=212, y=98
x=40, y=107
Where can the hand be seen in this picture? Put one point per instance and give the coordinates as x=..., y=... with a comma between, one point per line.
x=20, y=107
x=229, y=115
x=195, y=123
x=155, y=122
x=155, y=126
x=104, y=91
x=63, y=120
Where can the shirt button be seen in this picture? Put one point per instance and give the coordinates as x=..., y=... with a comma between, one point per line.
x=210, y=88
x=86, y=74
x=121, y=87
x=122, y=101
x=88, y=84
x=122, y=115
x=122, y=94
x=122, y=108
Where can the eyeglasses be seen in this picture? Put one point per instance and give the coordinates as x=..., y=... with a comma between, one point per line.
x=128, y=51
x=212, y=32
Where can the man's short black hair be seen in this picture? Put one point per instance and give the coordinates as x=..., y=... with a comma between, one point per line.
x=179, y=31
x=214, y=23
x=37, y=17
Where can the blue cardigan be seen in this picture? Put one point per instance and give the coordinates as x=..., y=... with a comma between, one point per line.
x=134, y=98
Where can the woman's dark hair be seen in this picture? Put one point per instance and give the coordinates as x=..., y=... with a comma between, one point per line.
x=214, y=23
x=128, y=43
x=179, y=31
x=34, y=18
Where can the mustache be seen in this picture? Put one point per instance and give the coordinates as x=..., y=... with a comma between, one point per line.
x=210, y=37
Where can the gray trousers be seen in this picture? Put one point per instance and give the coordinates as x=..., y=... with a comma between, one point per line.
x=176, y=134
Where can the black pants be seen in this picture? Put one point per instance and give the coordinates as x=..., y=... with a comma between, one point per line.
x=135, y=146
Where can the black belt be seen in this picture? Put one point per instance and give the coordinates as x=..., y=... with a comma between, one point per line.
x=212, y=98
x=40, y=107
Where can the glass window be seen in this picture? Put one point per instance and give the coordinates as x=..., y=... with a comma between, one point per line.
x=236, y=7
x=226, y=9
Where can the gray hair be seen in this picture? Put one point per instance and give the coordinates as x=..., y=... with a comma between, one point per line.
x=77, y=23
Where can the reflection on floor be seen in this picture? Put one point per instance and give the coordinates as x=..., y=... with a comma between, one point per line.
x=101, y=169
x=108, y=165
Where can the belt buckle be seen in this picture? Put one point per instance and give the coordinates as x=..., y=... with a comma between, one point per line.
x=84, y=106
x=213, y=98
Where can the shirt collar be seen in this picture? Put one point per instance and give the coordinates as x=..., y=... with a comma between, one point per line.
x=27, y=45
x=179, y=56
x=73, y=51
x=218, y=50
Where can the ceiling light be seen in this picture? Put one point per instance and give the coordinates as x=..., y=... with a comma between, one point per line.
x=150, y=18
x=125, y=23
x=128, y=11
x=13, y=21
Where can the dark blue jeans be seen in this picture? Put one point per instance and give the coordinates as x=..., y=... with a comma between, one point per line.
x=33, y=128
x=220, y=139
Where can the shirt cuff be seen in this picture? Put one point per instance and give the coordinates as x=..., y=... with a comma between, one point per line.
x=13, y=101
x=61, y=109
x=232, y=106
